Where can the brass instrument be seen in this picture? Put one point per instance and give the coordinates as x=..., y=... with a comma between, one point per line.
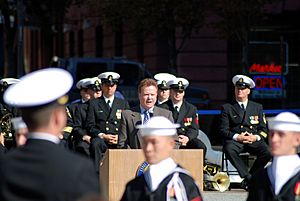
x=214, y=179
x=5, y=124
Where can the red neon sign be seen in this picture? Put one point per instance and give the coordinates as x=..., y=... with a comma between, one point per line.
x=268, y=82
x=265, y=68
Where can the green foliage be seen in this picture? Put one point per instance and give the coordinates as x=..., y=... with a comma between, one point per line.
x=151, y=16
x=46, y=12
x=167, y=18
x=236, y=17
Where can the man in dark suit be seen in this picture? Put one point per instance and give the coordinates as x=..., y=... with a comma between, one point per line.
x=281, y=179
x=164, y=179
x=129, y=135
x=77, y=111
x=184, y=114
x=103, y=117
x=42, y=170
x=243, y=126
x=68, y=137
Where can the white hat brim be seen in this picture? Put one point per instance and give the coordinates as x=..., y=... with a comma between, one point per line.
x=39, y=88
x=284, y=126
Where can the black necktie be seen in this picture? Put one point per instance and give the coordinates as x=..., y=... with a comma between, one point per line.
x=108, y=103
x=244, y=112
x=175, y=113
x=243, y=107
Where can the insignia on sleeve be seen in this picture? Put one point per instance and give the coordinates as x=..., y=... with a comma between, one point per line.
x=68, y=112
x=264, y=118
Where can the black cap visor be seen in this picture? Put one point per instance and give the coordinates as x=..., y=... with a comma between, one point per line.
x=242, y=85
x=109, y=82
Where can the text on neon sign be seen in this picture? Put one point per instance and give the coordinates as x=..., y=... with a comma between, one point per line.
x=265, y=68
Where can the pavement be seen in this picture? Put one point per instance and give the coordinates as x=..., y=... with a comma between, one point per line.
x=232, y=195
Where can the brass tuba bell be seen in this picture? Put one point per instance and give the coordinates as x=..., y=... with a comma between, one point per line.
x=215, y=179
x=220, y=181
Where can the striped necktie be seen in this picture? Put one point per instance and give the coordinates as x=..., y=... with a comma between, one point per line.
x=146, y=117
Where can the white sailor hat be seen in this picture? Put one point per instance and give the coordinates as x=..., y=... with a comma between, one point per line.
x=18, y=123
x=5, y=82
x=242, y=81
x=109, y=78
x=178, y=83
x=82, y=83
x=94, y=84
x=163, y=79
x=285, y=121
x=158, y=126
x=40, y=88
x=8, y=81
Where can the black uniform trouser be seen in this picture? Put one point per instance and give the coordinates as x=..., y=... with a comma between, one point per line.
x=97, y=148
x=195, y=144
x=260, y=149
x=83, y=148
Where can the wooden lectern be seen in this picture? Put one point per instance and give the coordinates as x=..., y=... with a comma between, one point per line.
x=120, y=166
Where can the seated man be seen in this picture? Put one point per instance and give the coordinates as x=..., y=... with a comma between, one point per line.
x=103, y=117
x=243, y=126
x=70, y=109
x=184, y=114
x=90, y=89
x=164, y=179
x=129, y=135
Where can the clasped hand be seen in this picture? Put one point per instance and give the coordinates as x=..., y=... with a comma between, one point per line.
x=246, y=138
x=110, y=138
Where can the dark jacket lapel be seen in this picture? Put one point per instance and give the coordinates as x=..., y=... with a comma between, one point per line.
x=182, y=112
x=137, y=120
x=115, y=105
x=103, y=105
x=237, y=109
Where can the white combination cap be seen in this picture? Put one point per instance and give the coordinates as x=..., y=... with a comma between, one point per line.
x=93, y=83
x=82, y=83
x=39, y=88
x=285, y=121
x=93, y=80
x=109, y=77
x=243, y=81
x=18, y=123
x=158, y=126
x=178, y=83
x=162, y=79
x=8, y=81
